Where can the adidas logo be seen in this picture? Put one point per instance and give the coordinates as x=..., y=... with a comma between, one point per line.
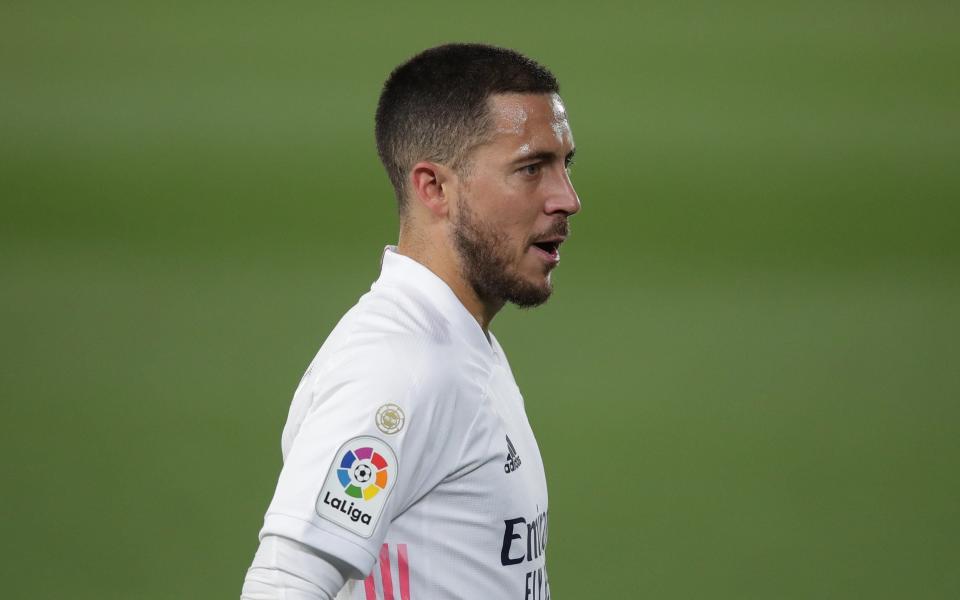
x=513, y=459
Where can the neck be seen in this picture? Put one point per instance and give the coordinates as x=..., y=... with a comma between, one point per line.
x=443, y=261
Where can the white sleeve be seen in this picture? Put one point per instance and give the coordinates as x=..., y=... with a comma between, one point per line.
x=283, y=568
x=348, y=472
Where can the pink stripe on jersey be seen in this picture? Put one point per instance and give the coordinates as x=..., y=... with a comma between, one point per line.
x=404, y=569
x=385, y=572
x=369, y=587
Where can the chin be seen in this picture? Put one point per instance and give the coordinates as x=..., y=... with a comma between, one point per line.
x=531, y=293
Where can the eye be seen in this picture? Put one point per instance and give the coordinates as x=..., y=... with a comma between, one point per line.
x=531, y=170
x=568, y=164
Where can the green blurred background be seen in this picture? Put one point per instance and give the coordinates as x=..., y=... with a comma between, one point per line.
x=746, y=385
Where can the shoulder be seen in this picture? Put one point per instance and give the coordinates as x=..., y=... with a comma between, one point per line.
x=401, y=310
x=395, y=344
x=399, y=327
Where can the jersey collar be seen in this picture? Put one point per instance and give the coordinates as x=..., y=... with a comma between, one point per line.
x=402, y=271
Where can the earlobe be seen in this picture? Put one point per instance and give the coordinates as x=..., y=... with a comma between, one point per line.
x=427, y=180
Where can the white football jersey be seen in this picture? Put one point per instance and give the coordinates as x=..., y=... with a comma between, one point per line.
x=408, y=454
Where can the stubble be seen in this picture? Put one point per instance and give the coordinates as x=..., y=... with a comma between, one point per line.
x=486, y=262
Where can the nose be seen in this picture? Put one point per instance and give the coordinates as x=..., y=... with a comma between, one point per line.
x=562, y=197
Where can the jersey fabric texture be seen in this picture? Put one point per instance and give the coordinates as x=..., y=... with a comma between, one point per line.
x=445, y=495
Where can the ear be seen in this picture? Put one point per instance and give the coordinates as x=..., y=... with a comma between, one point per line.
x=428, y=186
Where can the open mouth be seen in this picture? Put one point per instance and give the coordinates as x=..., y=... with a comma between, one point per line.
x=550, y=248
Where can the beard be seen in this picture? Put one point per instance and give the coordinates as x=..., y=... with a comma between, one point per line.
x=488, y=266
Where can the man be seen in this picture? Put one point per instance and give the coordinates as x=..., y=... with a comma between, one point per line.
x=410, y=470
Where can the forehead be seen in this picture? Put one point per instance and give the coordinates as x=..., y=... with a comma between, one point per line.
x=530, y=123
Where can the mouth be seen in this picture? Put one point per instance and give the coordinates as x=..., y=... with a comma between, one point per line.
x=549, y=249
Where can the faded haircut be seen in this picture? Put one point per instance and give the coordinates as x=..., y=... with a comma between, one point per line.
x=434, y=106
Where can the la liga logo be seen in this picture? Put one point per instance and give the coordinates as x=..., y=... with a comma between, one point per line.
x=363, y=473
x=358, y=483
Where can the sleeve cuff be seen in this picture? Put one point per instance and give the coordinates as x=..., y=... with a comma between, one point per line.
x=307, y=532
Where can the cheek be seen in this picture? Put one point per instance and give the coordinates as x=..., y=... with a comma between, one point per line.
x=518, y=210
x=508, y=212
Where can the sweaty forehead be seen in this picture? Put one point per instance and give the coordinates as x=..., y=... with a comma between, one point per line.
x=529, y=118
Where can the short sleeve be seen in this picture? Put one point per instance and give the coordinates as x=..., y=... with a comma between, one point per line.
x=382, y=425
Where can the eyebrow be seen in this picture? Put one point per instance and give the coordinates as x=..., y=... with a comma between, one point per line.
x=545, y=155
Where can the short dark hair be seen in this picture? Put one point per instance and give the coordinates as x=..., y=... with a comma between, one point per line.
x=434, y=106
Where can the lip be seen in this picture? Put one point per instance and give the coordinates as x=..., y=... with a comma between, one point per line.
x=551, y=258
